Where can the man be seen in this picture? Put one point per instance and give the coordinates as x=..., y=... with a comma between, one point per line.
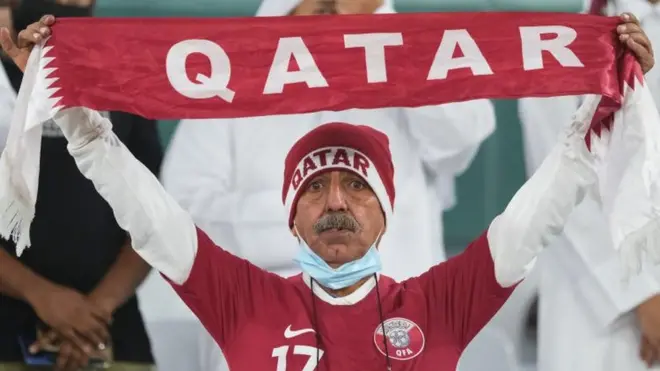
x=579, y=285
x=430, y=144
x=81, y=275
x=213, y=170
x=338, y=189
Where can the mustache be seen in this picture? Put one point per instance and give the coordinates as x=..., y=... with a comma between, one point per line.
x=337, y=221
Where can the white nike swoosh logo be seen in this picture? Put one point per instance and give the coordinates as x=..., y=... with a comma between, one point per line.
x=288, y=333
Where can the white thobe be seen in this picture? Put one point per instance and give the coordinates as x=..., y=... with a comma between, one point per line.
x=585, y=318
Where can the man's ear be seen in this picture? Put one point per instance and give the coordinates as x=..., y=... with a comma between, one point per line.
x=294, y=232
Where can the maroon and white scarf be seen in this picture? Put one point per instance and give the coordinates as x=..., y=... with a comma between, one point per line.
x=227, y=68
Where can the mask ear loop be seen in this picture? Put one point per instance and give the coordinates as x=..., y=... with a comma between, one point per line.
x=379, y=237
x=295, y=229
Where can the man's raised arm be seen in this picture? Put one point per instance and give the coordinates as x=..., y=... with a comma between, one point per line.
x=205, y=276
x=480, y=280
x=162, y=233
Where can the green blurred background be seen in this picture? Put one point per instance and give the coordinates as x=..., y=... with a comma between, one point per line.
x=498, y=171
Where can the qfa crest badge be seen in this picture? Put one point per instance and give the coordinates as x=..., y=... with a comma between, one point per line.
x=405, y=340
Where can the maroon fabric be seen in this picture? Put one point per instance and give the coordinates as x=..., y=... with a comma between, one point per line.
x=120, y=64
x=254, y=315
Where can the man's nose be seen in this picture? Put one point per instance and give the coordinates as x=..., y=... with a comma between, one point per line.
x=336, y=197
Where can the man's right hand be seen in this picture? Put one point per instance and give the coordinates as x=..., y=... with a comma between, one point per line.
x=19, y=52
x=72, y=316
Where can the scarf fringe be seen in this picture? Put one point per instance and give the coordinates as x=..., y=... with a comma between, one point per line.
x=16, y=212
x=639, y=248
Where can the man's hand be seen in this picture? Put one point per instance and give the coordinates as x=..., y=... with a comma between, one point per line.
x=648, y=316
x=72, y=316
x=631, y=34
x=19, y=52
x=358, y=6
x=70, y=357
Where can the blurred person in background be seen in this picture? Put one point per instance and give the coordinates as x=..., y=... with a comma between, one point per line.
x=588, y=318
x=78, y=279
x=216, y=170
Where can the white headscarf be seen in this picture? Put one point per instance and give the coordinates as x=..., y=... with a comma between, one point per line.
x=274, y=8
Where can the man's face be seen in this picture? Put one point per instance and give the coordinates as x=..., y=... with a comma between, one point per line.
x=339, y=217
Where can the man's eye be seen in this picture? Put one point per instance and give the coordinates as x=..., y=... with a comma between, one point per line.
x=356, y=184
x=315, y=186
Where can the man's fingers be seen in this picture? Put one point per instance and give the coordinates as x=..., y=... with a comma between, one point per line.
x=70, y=358
x=7, y=43
x=63, y=357
x=628, y=28
x=33, y=34
x=49, y=341
x=47, y=20
x=78, y=341
x=25, y=39
x=95, y=332
x=101, y=315
x=642, y=53
x=77, y=360
x=640, y=38
x=629, y=17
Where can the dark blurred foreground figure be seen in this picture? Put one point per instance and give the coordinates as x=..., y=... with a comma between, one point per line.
x=80, y=275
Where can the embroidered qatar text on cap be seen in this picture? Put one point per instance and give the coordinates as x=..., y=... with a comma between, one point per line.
x=339, y=146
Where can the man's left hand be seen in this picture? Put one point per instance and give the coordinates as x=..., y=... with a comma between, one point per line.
x=648, y=316
x=631, y=34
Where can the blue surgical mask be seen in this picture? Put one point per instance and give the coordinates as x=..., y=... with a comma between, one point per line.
x=346, y=275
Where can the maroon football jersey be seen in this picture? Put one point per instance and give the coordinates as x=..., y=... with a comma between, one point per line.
x=262, y=321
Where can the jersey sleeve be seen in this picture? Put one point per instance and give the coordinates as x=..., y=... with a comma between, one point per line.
x=225, y=291
x=463, y=293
